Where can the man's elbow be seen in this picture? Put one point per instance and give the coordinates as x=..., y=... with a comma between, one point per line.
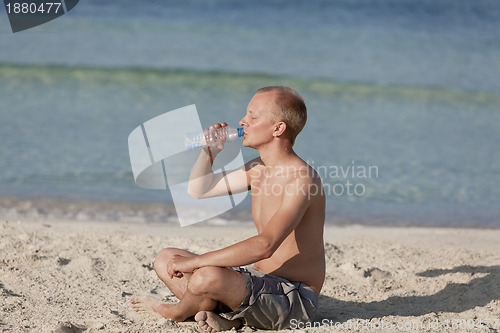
x=267, y=254
x=266, y=248
x=194, y=194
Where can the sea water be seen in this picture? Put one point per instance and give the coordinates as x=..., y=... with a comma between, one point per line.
x=403, y=99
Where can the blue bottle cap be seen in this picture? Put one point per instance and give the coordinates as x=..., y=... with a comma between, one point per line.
x=240, y=131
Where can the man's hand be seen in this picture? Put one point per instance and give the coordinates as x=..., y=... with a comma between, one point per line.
x=215, y=149
x=179, y=265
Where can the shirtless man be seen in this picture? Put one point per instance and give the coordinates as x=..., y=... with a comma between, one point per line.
x=288, y=208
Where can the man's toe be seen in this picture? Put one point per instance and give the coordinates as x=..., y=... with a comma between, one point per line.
x=201, y=316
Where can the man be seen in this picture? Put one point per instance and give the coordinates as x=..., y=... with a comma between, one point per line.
x=288, y=208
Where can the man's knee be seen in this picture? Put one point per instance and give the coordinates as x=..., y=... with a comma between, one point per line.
x=206, y=280
x=163, y=257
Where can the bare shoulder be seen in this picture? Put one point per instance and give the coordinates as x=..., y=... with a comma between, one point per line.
x=303, y=181
x=253, y=165
x=303, y=173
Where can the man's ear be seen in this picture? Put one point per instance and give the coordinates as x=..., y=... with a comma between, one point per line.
x=279, y=129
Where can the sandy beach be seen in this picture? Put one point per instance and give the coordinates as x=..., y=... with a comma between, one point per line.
x=73, y=276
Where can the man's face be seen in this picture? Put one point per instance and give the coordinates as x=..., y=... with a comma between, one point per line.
x=257, y=123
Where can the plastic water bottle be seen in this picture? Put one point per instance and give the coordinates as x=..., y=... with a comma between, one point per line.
x=195, y=140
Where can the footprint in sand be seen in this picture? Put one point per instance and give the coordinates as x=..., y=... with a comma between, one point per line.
x=68, y=327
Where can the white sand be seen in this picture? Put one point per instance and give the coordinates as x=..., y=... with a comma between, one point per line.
x=72, y=276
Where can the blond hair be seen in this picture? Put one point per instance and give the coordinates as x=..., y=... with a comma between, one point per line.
x=290, y=109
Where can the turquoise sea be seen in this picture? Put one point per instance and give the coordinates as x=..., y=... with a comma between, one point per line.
x=409, y=90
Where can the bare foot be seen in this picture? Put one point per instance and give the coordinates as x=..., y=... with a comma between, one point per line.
x=148, y=304
x=211, y=322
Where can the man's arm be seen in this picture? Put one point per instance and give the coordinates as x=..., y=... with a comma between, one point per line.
x=259, y=247
x=203, y=183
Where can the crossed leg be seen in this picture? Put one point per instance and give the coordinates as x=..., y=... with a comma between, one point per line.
x=199, y=293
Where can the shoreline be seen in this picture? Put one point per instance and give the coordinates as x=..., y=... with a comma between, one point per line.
x=46, y=208
x=80, y=275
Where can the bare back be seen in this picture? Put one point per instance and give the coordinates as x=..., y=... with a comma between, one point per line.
x=300, y=257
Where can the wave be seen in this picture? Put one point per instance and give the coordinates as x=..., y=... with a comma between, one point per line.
x=43, y=208
x=235, y=81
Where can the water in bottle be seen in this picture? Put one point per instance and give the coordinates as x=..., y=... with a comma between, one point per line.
x=213, y=137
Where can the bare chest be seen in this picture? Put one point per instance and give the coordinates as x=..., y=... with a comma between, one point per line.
x=267, y=196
